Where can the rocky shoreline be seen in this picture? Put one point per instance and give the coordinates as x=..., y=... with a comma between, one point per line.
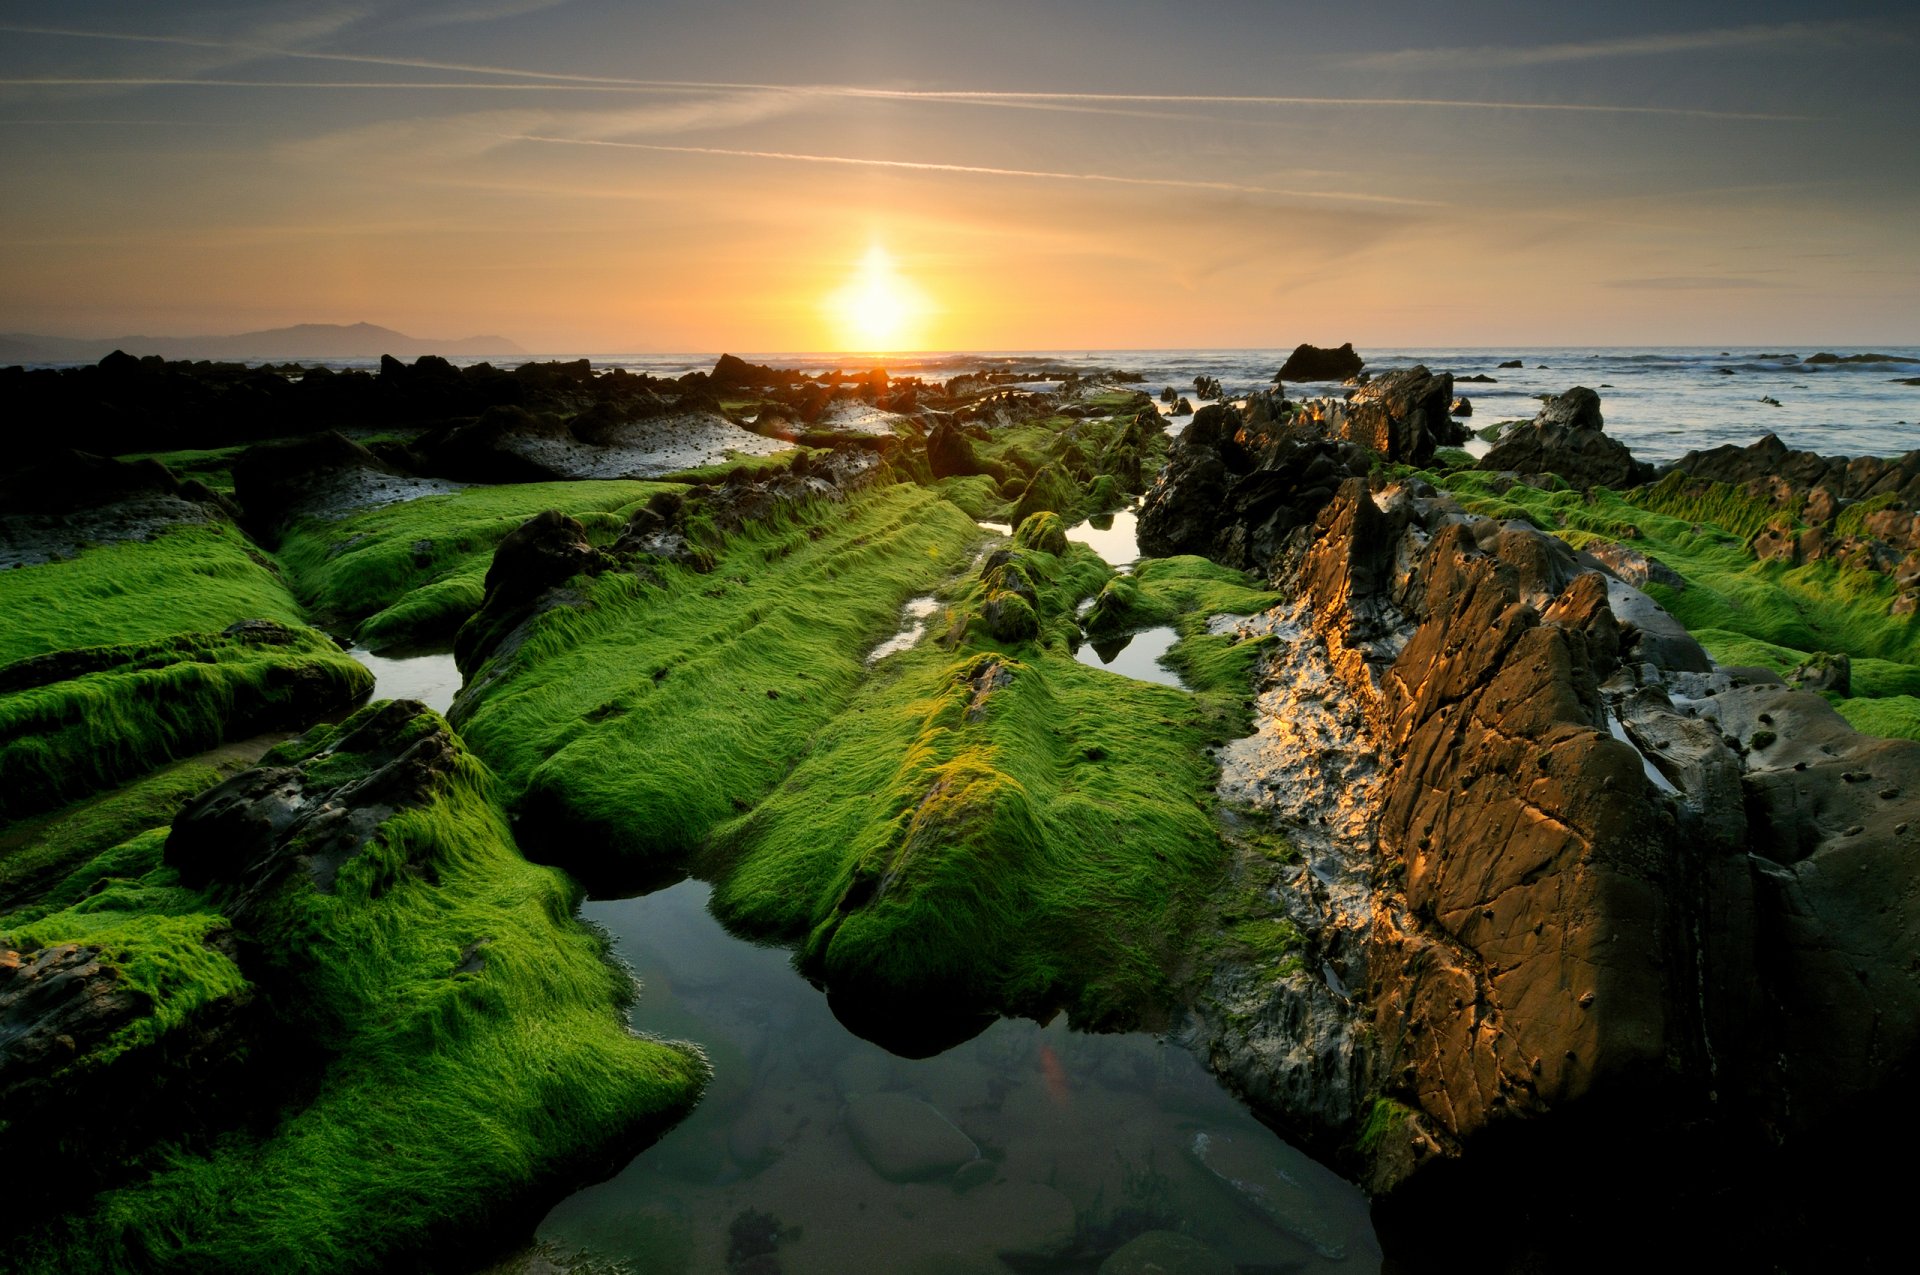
x=1518, y=812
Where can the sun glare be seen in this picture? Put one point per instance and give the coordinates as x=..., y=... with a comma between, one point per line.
x=877, y=310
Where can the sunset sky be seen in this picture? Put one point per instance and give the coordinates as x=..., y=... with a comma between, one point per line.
x=590, y=176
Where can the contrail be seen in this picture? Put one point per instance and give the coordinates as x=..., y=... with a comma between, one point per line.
x=980, y=169
x=610, y=83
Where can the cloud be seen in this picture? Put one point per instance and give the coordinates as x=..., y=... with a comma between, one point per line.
x=484, y=11
x=1787, y=35
x=982, y=170
x=415, y=143
x=1099, y=103
x=1690, y=283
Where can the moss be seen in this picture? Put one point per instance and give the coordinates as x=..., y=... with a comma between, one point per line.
x=1731, y=508
x=1020, y=848
x=632, y=724
x=40, y=854
x=976, y=495
x=131, y=708
x=411, y=573
x=1852, y=521
x=1049, y=490
x=997, y=825
x=467, y=1043
x=1743, y=610
x=154, y=933
x=1044, y=532
x=1386, y=1118
x=191, y=579
x=1892, y=717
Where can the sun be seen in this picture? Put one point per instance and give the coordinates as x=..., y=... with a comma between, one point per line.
x=877, y=310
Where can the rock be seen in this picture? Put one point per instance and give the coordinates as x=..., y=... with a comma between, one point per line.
x=905, y=1139
x=243, y=838
x=1165, y=1253
x=1401, y=417
x=1824, y=671
x=1513, y=363
x=1565, y=439
x=1312, y=363
x=1478, y=378
x=1461, y=407
x=1044, y=532
x=1182, y=408
x=950, y=454
x=1235, y=495
x=1009, y=617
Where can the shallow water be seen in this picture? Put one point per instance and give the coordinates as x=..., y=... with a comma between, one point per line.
x=1135, y=655
x=913, y=627
x=428, y=676
x=1067, y=1144
x=1115, y=536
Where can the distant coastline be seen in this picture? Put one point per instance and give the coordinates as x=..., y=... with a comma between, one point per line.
x=308, y=341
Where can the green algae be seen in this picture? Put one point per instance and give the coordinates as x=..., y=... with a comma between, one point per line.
x=988, y=831
x=129, y=709
x=149, y=929
x=411, y=573
x=1892, y=717
x=58, y=850
x=196, y=578
x=465, y=1038
x=670, y=699
x=1745, y=611
x=994, y=825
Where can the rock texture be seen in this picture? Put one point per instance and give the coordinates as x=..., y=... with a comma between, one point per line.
x=1570, y=894
x=1861, y=512
x=1312, y=363
x=1565, y=440
x=1400, y=417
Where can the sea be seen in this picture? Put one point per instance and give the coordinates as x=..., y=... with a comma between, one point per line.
x=1661, y=402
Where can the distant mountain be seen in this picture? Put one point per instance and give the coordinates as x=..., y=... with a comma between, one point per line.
x=280, y=345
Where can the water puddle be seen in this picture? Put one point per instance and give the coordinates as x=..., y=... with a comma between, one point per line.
x=428, y=676
x=1135, y=655
x=913, y=626
x=1023, y=1149
x=1115, y=537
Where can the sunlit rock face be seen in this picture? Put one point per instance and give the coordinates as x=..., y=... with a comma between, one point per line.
x=1563, y=886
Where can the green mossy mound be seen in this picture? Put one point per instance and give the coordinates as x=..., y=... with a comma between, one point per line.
x=410, y=574
x=668, y=700
x=437, y=1053
x=35, y=855
x=127, y=709
x=136, y=654
x=1745, y=611
x=192, y=579
x=999, y=827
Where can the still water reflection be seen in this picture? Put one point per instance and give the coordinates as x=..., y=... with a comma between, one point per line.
x=1025, y=1148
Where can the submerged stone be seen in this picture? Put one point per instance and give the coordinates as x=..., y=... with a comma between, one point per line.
x=1165, y=1253
x=906, y=1139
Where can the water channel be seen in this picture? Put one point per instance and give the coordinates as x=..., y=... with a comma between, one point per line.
x=1027, y=1148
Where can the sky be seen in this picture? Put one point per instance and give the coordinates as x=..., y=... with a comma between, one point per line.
x=584, y=176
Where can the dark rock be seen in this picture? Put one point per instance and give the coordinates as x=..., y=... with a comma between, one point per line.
x=1565, y=439
x=1312, y=363
x=245, y=837
x=950, y=454
x=1478, y=378
x=1824, y=671
x=1513, y=363
x=1461, y=407
x=1401, y=417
